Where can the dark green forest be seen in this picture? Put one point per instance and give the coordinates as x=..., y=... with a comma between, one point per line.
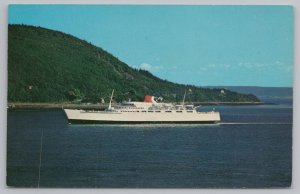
x=51, y=66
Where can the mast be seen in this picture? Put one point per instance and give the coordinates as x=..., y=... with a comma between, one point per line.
x=183, y=98
x=111, y=97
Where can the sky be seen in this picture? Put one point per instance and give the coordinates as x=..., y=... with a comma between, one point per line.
x=199, y=45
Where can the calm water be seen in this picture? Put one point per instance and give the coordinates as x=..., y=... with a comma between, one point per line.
x=251, y=147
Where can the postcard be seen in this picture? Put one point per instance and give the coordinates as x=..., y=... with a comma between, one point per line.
x=150, y=96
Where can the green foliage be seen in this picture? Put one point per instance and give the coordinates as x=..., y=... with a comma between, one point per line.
x=51, y=66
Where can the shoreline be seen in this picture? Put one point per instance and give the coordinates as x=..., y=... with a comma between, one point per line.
x=22, y=105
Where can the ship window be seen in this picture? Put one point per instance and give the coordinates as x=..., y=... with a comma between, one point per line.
x=168, y=111
x=179, y=111
x=150, y=111
x=189, y=111
x=143, y=111
x=157, y=111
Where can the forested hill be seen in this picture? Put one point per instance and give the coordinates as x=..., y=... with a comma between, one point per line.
x=51, y=66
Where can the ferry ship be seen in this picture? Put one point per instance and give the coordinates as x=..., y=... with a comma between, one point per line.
x=148, y=111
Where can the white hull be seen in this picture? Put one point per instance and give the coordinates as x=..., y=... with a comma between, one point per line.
x=81, y=116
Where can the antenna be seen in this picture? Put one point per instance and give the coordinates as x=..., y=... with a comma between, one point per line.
x=111, y=97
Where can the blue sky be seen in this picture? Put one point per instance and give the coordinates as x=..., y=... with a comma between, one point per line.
x=200, y=45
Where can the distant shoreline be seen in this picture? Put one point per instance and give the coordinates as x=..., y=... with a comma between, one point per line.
x=21, y=105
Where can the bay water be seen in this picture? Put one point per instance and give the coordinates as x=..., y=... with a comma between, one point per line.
x=250, y=148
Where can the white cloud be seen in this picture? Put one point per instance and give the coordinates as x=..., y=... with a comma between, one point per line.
x=146, y=66
x=276, y=64
x=227, y=66
x=155, y=68
x=173, y=67
x=215, y=66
